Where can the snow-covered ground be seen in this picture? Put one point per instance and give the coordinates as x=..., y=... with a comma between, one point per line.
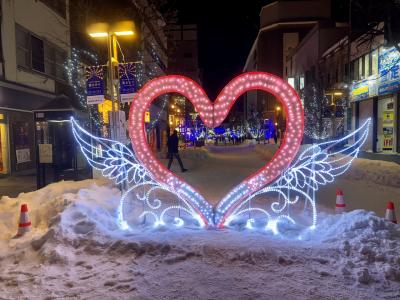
x=77, y=250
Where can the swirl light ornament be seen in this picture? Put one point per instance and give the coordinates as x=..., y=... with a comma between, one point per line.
x=153, y=194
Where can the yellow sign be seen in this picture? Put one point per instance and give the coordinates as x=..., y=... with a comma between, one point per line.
x=104, y=108
x=360, y=90
x=388, y=117
x=147, y=117
x=171, y=119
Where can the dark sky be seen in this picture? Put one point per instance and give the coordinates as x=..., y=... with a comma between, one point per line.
x=226, y=32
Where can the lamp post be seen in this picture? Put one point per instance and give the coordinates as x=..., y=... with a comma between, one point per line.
x=111, y=32
x=277, y=116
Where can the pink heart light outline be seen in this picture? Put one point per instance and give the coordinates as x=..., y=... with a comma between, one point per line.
x=212, y=115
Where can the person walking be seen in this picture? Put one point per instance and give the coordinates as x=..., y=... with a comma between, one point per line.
x=275, y=137
x=172, y=144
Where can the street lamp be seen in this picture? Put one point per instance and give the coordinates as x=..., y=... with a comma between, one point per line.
x=105, y=30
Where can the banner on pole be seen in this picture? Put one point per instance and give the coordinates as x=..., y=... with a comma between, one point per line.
x=127, y=82
x=94, y=85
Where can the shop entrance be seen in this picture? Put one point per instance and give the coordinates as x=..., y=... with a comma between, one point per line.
x=57, y=155
x=386, y=137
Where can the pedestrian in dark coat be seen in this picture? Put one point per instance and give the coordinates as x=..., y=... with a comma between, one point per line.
x=172, y=143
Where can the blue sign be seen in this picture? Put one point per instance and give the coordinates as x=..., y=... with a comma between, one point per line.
x=128, y=85
x=94, y=85
x=389, y=71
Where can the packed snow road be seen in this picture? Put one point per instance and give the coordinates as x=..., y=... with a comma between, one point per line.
x=367, y=185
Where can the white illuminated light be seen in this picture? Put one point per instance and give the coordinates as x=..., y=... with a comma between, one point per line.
x=119, y=163
x=212, y=115
x=145, y=175
x=314, y=167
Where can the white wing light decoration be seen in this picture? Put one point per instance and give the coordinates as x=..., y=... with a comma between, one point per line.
x=317, y=165
x=141, y=199
x=146, y=200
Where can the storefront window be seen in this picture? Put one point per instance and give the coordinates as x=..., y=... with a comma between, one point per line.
x=360, y=68
x=301, y=82
x=366, y=65
x=374, y=62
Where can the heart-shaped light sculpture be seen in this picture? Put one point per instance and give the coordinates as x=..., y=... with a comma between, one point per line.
x=212, y=115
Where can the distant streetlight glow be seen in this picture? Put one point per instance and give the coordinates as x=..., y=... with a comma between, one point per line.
x=127, y=32
x=98, y=34
x=278, y=108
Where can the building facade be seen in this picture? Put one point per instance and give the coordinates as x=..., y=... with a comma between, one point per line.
x=183, y=60
x=366, y=88
x=183, y=57
x=374, y=93
x=307, y=75
x=35, y=42
x=283, y=24
x=154, y=59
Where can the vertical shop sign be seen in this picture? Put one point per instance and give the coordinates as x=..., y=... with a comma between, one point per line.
x=147, y=117
x=388, y=128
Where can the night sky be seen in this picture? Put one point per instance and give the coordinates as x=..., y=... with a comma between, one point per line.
x=227, y=30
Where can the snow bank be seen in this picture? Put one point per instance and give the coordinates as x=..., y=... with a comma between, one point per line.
x=76, y=249
x=368, y=245
x=43, y=204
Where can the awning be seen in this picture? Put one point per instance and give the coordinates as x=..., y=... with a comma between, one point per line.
x=21, y=98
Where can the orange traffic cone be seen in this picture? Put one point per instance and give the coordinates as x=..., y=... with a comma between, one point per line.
x=390, y=215
x=340, y=205
x=24, y=223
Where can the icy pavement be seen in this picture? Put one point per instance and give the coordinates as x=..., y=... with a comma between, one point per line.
x=77, y=250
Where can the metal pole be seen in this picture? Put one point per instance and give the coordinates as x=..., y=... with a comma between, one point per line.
x=348, y=67
x=110, y=39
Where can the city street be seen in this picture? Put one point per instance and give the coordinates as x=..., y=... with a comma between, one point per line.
x=175, y=149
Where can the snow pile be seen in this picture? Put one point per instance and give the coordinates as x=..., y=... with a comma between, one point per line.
x=77, y=250
x=43, y=205
x=368, y=245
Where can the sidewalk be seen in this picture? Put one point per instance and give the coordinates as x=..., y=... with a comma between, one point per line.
x=13, y=185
